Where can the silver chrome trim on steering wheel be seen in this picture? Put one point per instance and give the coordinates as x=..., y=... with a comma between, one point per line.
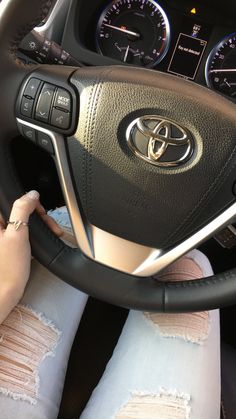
x=80, y=231
x=114, y=251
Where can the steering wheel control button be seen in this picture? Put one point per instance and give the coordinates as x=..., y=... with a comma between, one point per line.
x=63, y=100
x=227, y=237
x=60, y=119
x=29, y=133
x=32, y=88
x=44, y=102
x=44, y=141
x=27, y=106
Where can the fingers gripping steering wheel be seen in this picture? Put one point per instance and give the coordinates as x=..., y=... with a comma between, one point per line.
x=146, y=163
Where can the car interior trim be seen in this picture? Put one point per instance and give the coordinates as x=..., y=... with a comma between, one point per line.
x=67, y=187
x=139, y=260
x=54, y=22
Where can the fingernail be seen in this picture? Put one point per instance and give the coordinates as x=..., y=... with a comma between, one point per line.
x=32, y=195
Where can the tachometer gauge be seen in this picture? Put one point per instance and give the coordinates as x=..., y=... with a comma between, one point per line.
x=221, y=67
x=135, y=32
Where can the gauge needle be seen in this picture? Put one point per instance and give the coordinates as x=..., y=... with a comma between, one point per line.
x=126, y=54
x=224, y=70
x=117, y=28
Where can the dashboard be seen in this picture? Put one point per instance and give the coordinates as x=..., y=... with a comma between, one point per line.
x=191, y=40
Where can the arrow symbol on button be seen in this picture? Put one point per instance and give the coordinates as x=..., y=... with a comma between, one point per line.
x=42, y=113
x=47, y=93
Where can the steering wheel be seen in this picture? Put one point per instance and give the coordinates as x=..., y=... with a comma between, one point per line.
x=146, y=162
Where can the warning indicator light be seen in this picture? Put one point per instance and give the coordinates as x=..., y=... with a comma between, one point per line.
x=193, y=11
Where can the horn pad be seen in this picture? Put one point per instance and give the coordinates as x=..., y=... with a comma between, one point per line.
x=130, y=118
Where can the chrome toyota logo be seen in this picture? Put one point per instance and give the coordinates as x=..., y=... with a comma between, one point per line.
x=159, y=141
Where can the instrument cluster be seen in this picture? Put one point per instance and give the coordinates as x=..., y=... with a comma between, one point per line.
x=136, y=32
x=154, y=35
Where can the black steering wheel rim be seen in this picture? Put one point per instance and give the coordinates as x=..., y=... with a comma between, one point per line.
x=142, y=293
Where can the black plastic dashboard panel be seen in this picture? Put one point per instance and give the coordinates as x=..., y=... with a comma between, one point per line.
x=216, y=19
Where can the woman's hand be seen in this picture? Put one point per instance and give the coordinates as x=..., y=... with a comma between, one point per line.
x=15, y=251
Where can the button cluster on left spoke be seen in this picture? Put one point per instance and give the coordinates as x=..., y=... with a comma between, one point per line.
x=48, y=104
x=39, y=138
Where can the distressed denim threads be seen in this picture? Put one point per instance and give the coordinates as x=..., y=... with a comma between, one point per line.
x=26, y=339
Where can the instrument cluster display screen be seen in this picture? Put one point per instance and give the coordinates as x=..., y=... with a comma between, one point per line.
x=187, y=56
x=189, y=50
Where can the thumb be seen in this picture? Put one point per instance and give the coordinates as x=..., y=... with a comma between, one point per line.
x=22, y=208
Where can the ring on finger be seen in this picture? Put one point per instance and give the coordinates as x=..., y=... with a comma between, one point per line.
x=17, y=224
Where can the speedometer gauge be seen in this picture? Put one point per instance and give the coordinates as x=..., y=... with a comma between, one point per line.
x=221, y=67
x=135, y=32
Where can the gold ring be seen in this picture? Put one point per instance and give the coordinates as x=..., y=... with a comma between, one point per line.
x=17, y=224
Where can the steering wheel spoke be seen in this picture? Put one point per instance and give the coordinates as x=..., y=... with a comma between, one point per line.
x=146, y=163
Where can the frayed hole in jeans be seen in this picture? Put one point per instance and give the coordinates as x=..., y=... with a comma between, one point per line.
x=26, y=339
x=192, y=327
x=162, y=405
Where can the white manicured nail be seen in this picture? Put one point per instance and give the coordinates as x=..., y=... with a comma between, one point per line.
x=32, y=195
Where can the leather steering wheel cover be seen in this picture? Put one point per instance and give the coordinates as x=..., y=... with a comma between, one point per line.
x=123, y=195
x=69, y=264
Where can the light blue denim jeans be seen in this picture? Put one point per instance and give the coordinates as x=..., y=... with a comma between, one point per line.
x=61, y=306
x=162, y=365
x=156, y=367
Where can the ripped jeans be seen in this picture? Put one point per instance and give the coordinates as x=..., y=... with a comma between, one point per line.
x=165, y=366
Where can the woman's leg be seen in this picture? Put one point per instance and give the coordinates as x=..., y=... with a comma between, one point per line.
x=164, y=365
x=35, y=343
